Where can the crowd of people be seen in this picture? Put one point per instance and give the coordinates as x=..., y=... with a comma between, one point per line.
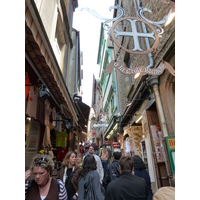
x=90, y=175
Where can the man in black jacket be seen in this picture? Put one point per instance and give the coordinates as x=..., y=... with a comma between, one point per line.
x=112, y=171
x=127, y=186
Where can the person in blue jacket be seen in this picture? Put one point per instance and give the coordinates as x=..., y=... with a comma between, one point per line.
x=141, y=171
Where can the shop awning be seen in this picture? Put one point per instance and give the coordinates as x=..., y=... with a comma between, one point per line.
x=84, y=111
x=112, y=124
x=39, y=50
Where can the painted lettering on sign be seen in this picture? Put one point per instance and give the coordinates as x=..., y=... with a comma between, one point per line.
x=171, y=143
x=143, y=70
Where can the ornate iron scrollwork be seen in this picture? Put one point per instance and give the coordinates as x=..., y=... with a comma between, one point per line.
x=106, y=26
x=160, y=31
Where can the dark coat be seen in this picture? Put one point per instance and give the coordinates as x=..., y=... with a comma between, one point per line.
x=112, y=170
x=95, y=182
x=76, y=177
x=140, y=170
x=127, y=187
x=68, y=185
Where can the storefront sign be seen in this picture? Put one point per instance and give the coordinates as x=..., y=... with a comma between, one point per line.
x=140, y=69
x=116, y=144
x=135, y=37
x=171, y=142
x=107, y=143
x=170, y=146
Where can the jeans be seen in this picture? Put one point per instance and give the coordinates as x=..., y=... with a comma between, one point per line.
x=104, y=164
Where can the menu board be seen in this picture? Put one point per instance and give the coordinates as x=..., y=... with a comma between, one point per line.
x=156, y=137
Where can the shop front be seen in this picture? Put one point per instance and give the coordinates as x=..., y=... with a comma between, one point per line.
x=48, y=126
x=144, y=138
x=51, y=117
x=112, y=135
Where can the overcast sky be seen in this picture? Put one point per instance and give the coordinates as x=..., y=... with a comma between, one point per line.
x=89, y=27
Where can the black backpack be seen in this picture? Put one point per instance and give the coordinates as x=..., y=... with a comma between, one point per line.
x=114, y=172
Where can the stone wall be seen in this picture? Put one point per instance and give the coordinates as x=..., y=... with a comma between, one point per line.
x=159, y=10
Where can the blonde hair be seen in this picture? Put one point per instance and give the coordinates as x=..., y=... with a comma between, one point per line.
x=44, y=161
x=67, y=156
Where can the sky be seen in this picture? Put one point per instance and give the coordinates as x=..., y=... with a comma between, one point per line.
x=89, y=27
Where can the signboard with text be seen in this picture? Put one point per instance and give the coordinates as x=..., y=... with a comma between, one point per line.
x=170, y=146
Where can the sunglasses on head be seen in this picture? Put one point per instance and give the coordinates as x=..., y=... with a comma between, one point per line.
x=40, y=160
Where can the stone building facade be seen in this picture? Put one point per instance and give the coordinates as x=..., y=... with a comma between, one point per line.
x=147, y=101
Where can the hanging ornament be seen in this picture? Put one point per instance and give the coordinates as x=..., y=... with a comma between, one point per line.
x=135, y=35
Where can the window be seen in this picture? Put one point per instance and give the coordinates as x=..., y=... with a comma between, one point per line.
x=57, y=50
x=59, y=44
x=112, y=105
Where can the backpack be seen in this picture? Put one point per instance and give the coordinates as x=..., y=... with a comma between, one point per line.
x=114, y=173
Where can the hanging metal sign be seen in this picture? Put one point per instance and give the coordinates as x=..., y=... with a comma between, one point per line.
x=154, y=35
x=135, y=35
x=137, y=49
x=106, y=22
x=141, y=69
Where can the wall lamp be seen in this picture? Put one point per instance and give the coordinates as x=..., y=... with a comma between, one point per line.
x=138, y=119
x=43, y=90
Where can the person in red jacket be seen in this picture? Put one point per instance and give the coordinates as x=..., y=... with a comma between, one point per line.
x=81, y=149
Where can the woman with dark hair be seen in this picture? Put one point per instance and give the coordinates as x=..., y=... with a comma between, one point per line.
x=66, y=173
x=140, y=170
x=89, y=186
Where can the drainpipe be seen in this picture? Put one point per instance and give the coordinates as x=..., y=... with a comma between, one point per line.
x=153, y=81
